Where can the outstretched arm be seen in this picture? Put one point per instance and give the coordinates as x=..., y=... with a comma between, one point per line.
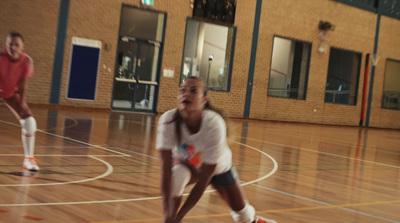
x=28, y=72
x=166, y=173
x=18, y=102
x=205, y=175
x=22, y=89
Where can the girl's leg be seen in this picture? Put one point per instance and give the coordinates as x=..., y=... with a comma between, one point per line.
x=241, y=211
x=28, y=125
x=233, y=195
x=182, y=176
x=176, y=203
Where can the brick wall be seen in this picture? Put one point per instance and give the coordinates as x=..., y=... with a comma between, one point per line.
x=388, y=47
x=37, y=21
x=99, y=20
x=300, y=21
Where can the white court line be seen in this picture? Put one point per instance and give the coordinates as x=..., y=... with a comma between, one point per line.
x=42, y=146
x=108, y=172
x=144, y=198
x=42, y=155
x=70, y=139
x=80, y=142
x=265, y=154
x=319, y=202
x=325, y=153
x=324, y=203
x=312, y=137
x=137, y=153
x=252, y=182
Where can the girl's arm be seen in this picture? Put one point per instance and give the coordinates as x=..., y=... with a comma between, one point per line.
x=205, y=175
x=22, y=89
x=24, y=112
x=28, y=72
x=166, y=166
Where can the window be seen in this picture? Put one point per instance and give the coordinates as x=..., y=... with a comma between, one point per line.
x=141, y=24
x=289, y=68
x=215, y=10
x=389, y=8
x=343, y=75
x=139, y=51
x=208, y=53
x=391, y=85
x=371, y=5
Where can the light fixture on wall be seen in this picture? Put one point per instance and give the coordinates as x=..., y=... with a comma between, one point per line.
x=324, y=27
x=322, y=44
x=210, y=59
x=107, y=46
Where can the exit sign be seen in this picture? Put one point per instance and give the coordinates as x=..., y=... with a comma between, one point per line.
x=147, y=2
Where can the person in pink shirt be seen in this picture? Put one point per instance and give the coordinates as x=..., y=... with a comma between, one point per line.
x=15, y=69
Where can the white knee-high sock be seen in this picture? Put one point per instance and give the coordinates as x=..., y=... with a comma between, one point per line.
x=29, y=145
x=28, y=135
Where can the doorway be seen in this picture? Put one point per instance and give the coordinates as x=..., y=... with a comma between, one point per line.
x=138, y=60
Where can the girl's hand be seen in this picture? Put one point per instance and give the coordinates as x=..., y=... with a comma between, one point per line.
x=168, y=220
x=177, y=220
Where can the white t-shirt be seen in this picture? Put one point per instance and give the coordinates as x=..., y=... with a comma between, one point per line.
x=208, y=145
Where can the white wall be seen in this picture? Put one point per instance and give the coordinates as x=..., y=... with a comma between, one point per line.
x=282, y=63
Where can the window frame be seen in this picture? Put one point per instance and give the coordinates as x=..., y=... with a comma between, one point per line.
x=307, y=67
x=383, y=86
x=230, y=67
x=358, y=76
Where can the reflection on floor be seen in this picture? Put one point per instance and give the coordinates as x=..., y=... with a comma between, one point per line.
x=102, y=166
x=128, y=104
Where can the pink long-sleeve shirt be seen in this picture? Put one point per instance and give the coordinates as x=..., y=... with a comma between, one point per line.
x=12, y=72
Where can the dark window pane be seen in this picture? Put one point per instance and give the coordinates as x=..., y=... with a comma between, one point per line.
x=343, y=76
x=222, y=11
x=391, y=85
x=141, y=23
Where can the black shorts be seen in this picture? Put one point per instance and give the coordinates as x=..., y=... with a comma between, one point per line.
x=225, y=179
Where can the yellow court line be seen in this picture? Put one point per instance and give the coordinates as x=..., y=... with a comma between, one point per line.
x=330, y=206
x=261, y=212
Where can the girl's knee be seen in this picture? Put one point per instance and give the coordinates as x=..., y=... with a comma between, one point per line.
x=180, y=178
x=28, y=126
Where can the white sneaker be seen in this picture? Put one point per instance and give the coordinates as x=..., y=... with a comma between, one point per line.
x=263, y=220
x=31, y=164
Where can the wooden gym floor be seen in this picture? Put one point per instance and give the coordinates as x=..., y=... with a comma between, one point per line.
x=99, y=166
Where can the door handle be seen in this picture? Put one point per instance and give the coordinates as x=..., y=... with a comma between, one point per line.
x=138, y=63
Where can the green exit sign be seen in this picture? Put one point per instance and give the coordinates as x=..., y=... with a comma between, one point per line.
x=147, y=2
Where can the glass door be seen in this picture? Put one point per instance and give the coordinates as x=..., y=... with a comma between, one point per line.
x=145, y=76
x=138, y=59
x=124, y=77
x=136, y=78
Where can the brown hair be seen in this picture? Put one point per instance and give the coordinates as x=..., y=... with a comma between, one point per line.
x=177, y=116
x=16, y=34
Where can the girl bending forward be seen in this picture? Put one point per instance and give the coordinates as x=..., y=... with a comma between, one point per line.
x=193, y=148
